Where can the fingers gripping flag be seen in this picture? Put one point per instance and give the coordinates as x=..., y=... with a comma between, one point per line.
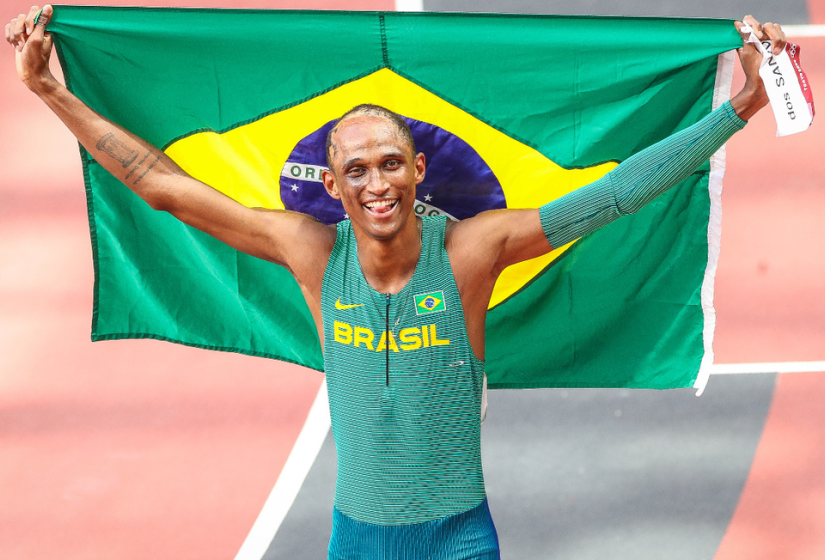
x=507, y=117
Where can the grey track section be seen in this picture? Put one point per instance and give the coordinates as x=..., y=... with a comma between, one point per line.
x=786, y=12
x=592, y=473
x=305, y=531
x=621, y=474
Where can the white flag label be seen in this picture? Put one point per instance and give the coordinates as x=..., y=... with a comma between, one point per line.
x=787, y=85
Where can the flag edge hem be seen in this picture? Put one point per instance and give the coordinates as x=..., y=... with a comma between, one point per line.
x=718, y=163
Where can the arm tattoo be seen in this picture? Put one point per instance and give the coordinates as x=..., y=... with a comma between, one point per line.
x=117, y=149
x=126, y=156
x=148, y=169
x=135, y=168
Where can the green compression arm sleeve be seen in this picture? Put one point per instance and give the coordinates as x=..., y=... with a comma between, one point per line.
x=638, y=180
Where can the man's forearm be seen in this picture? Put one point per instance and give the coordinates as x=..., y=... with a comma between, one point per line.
x=139, y=165
x=637, y=180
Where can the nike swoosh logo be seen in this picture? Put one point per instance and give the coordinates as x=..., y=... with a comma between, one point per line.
x=339, y=305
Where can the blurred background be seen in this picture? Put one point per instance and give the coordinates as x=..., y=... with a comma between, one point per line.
x=136, y=449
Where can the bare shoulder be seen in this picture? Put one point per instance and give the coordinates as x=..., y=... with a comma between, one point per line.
x=304, y=243
x=312, y=229
x=474, y=241
x=493, y=240
x=466, y=232
x=491, y=228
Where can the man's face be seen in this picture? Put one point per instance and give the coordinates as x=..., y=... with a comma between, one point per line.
x=374, y=173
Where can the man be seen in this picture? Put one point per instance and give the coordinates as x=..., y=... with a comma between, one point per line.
x=399, y=302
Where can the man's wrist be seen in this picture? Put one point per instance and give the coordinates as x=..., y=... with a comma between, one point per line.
x=43, y=86
x=749, y=101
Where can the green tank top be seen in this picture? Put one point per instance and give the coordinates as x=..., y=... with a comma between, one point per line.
x=405, y=406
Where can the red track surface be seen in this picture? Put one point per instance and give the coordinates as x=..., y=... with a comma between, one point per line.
x=816, y=11
x=140, y=449
x=132, y=449
x=771, y=282
x=781, y=513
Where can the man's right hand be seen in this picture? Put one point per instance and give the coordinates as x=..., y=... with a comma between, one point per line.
x=33, y=47
x=753, y=95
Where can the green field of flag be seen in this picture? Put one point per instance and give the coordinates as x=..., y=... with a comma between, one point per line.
x=528, y=108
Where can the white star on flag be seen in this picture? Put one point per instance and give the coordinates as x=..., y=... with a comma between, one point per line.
x=294, y=187
x=427, y=198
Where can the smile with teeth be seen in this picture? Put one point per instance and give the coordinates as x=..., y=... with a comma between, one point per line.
x=381, y=205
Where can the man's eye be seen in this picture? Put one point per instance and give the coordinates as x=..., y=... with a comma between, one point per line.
x=393, y=163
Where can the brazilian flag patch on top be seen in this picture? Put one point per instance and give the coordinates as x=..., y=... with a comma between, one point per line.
x=429, y=303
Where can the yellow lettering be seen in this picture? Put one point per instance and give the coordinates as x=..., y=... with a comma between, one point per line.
x=382, y=343
x=365, y=336
x=410, y=339
x=343, y=332
x=425, y=334
x=434, y=341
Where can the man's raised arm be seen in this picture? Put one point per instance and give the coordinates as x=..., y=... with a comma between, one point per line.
x=512, y=236
x=288, y=238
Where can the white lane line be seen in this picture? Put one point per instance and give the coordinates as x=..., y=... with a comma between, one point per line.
x=804, y=30
x=413, y=6
x=767, y=367
x=290, y=481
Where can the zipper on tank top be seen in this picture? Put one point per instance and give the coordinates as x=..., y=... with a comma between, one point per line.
x=387, y=339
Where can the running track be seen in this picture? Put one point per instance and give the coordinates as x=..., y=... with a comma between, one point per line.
x=136, y=449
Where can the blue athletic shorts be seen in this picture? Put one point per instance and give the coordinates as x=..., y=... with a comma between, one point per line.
x=470, y=535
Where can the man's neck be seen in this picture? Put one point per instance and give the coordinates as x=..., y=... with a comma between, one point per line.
x=388, y=264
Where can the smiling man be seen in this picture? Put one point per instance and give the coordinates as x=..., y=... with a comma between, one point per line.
x=399, y=302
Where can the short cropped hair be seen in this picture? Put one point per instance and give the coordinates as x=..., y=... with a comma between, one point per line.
x=370, y=110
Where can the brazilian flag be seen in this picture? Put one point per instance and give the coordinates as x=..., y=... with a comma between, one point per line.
x=511, y=111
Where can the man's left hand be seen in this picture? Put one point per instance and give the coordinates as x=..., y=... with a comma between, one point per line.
x=753, y=95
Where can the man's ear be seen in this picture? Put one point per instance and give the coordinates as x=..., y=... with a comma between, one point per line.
x=330, y=184
x=420, y=167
